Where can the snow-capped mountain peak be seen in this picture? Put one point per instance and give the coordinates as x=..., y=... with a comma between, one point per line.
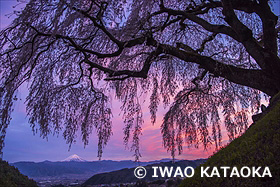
x=74, y=158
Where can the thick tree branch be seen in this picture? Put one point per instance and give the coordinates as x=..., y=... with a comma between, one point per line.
x=206, y=25
x=266, y=57
x=143, y=73
x=267, y=60
x=262, y=8
x=244, y=33
x=247, y=77
x=269, y=21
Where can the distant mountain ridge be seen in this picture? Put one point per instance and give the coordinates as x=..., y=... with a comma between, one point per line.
x=75, y=165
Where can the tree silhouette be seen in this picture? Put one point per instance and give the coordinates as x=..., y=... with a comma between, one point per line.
x=213, y=58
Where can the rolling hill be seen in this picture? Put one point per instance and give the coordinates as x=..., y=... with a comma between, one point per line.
x=11, y=177
x=127, y=175
x=258, y=146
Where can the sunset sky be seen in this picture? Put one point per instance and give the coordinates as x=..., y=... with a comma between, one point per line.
x=22, y=145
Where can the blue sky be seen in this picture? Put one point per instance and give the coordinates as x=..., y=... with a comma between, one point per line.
x=22, y=145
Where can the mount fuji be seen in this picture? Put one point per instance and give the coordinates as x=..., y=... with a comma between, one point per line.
x=74, y=158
